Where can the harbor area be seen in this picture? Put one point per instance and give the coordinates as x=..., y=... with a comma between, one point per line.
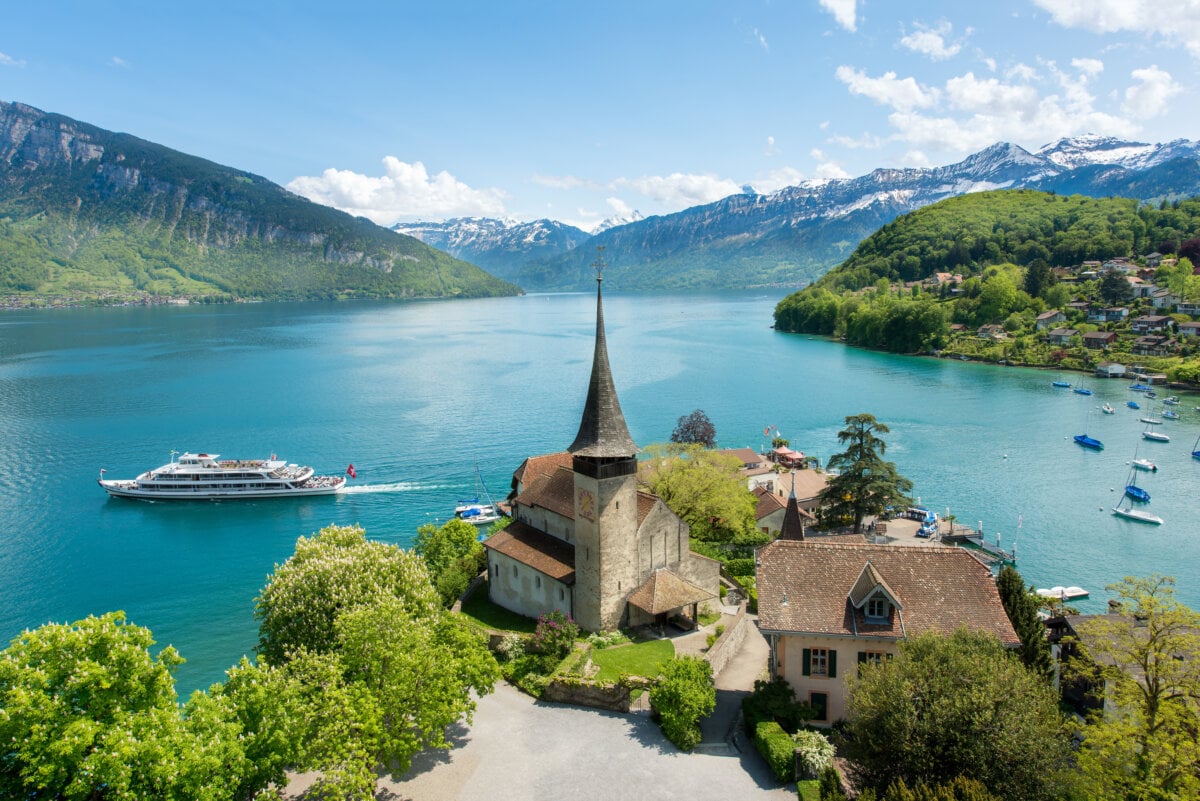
x=907, y=531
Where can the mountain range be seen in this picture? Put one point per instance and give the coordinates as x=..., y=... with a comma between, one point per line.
x=98, y=216
x=791, y=237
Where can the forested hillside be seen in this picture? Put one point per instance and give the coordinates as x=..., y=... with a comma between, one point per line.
x=102, y=216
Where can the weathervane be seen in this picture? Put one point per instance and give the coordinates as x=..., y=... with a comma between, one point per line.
x=599, y=263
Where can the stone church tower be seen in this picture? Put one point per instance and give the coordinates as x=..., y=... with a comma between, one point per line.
x=604, y=460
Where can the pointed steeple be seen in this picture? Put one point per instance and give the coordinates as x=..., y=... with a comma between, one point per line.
x=602, y=431
x=792, y=528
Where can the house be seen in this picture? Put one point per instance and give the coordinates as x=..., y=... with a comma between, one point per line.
x=585, y=540
x=754, y=465
x=1141, y=288
x=1154, y=345
x=991, y=331
x=1163, y=299
x=770, y=511
x=1149, y=323
x=1099, y=340
x=1188, y=307
x=1189, y=329
x=1119, y=266
x=826, y=607
x=1050, y=318
x=1154, y=259
x=1061, y=336
x=1110, y=370
x=806, y=484
x=1111, y=314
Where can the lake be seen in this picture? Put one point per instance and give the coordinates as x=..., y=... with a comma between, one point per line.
x=414, y=394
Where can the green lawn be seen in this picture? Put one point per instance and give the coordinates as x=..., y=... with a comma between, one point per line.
x=485, y=613
x=637, y=659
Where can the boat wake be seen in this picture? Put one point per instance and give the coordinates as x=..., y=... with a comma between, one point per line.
x=396, y=486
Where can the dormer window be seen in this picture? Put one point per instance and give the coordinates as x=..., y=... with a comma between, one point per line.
x=877, y=608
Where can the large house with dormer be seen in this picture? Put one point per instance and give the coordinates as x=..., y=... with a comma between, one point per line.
x=585, y=540
x=827, y=607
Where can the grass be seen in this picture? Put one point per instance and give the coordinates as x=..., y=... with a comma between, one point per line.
x=638, y=659
x=480, y=610
x=808, y=790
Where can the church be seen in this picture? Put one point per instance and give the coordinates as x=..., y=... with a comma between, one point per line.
x=585, y=540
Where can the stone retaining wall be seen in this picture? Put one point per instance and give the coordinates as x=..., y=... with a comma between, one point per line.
x=730, y=641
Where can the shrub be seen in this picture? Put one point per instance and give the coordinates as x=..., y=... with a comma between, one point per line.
x=814, y=752
x=740, y=567
x=683, y=696
x=723, y=590
x=775, y=701
x=777, y=748
x=556, y=633
x=530, y=672
x=510, y=647
x=830, y=787
x=808, y=790
x=606, y=639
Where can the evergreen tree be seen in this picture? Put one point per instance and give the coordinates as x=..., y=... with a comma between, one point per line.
x=1022, y=608
x=865, y=483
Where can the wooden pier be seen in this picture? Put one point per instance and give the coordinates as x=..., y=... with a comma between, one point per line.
x=989, y=553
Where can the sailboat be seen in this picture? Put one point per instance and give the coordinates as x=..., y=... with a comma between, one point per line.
x=479, y=510
x=1132, y=490
x=1089, y=442
x=1196, y=449
x=1156, y=436
x=1082, y=390
x=1135, y=493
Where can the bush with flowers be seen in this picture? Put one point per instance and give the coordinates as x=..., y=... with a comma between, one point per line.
x=555, y=634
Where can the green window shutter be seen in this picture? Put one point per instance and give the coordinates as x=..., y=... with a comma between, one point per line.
x=805, y=666
x=832, y=664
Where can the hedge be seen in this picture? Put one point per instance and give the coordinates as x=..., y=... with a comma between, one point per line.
x=777, y=748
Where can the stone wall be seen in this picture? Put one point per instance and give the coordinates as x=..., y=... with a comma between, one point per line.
x=728, y=644
x=613, y=697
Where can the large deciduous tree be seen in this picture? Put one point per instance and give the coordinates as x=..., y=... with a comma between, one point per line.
x=702, y=487
x=1145, y=743
x=87, y=712
x=695, y=429
x=453, y=554
x=953, y=706
x=378, y=669
x=865, y=484
x=1022, y=607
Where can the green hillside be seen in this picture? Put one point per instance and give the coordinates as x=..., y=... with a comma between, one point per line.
x=103, y=216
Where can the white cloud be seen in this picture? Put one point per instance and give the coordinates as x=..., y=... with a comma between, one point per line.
x=762, y=40
x=1088, y=66
x=770, y=150
x=778, y=179
x=902, y=94
x=404, y=191
x=990, y=96
x=8, y=61
x=826, y=168
x=1148, y=97
x=679, y=190
x=563, y=182
x=867, y=141
x=844, y=11
x=1021, y=72
x=932, y=41
x=117, y=61
x=1175, y=21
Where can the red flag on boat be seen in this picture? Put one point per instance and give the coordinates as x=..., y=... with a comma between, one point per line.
x=351, y=472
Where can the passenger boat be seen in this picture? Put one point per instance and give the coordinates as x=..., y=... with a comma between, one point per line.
x=204, y=476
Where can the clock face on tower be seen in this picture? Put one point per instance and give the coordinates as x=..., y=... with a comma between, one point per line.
x=587, y=504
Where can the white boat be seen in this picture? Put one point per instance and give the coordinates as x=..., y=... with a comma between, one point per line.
x=204, y=476
x=1150, y=421
x=480, y=510
x=1145, y=464
x=1108, y=409
x=1171, y=401
x=1063, y=593
x=1129, y=513
x=1155, y=436
x=1169, y=414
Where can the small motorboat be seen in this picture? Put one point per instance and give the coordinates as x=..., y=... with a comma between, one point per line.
x=1108, y=409
x=1089, y=442
x=1132, y=404
x=1171, y=401
x=1145, y=464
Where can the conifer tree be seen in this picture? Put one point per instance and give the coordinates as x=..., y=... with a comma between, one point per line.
x=1022, y=608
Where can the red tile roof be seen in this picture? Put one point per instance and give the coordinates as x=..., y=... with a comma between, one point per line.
x=664, y=591
x=548, y=555
x=556, y=493
x=535, y=468
x=803, y=587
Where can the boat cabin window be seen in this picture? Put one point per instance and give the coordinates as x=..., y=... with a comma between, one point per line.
x=877, y=607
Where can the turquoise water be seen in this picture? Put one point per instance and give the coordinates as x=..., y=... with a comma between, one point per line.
x=413, y=394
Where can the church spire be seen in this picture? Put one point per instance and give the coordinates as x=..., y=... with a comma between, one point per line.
x=602, y=431
x=793, y=526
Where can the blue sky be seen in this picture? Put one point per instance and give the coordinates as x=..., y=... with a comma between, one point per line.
x=578, y=112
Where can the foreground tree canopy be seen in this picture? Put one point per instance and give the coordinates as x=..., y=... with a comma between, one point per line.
x=1146, y=660
x=865, y=484
x=957, y=706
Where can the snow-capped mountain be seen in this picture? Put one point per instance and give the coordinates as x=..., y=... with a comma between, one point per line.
x=613, y=222
x=498, y=246
x=794, y=235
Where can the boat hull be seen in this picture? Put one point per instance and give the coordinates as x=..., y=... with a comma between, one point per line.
x=1138, y=516
x=1089, y=442
x=129, y=489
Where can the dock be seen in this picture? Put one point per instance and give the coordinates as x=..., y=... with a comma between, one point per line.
x=989, y=553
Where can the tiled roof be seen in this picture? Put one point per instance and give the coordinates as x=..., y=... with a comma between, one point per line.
x=664, y=592
x=745, y=455
x=869, y=580
x=769, y=503
x=646, y=503
x=805, y=483
x=536, y=468
x=803, y=587
x=556, y=493
x=548, y=555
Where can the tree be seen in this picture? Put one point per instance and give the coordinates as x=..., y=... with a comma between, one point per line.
x=329, y=574
x=1022, y=606
x=703, y=487
x=865, y=483
x=960, y=705
x=1115, y=289
x=695, y=429
x=1038, y=278
x=87, y=712
x=377, y=669
x=684, y=694
x=1190, y=249
x=453, y=554
x=1144, y=744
